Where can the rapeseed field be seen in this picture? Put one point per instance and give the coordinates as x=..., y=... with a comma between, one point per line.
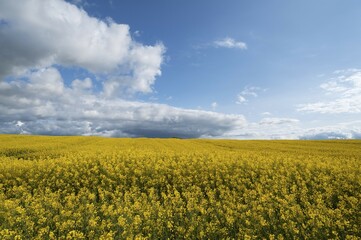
x=103, y=188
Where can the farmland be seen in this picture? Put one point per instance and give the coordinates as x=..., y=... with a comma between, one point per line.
x=104, y=188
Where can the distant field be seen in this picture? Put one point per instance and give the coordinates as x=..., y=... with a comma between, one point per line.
x=102, y=188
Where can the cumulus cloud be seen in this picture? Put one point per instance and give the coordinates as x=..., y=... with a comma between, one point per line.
x=36, y=34
x=230, y=43
x=56, y=109
x=343, y=93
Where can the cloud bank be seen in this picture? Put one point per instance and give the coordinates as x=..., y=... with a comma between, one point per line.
x=291, y=128
x=44, y=105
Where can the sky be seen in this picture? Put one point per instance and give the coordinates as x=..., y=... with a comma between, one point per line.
x=235, y=69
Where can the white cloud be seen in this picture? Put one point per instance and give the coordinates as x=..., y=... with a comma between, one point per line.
x=75, y=110
x=77, y=2
x=339, y=131
x=251, y=91
x=248, y=92
x=266, y=114
x=324, y=135
x=38, y=34
x=19, y=123
x=230, y=43
x=268, y=128
x=278, y=121
x=290, y=128
x=82, y=84
x=343, y=91
x=240, y=99
x=214, y=105
x=137, y=33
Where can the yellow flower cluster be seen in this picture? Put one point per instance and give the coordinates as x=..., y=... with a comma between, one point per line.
x=102, y=188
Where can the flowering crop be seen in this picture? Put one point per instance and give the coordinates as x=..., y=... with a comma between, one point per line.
x=102, y=188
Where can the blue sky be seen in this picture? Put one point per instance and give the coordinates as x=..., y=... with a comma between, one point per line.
x=224, y=69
